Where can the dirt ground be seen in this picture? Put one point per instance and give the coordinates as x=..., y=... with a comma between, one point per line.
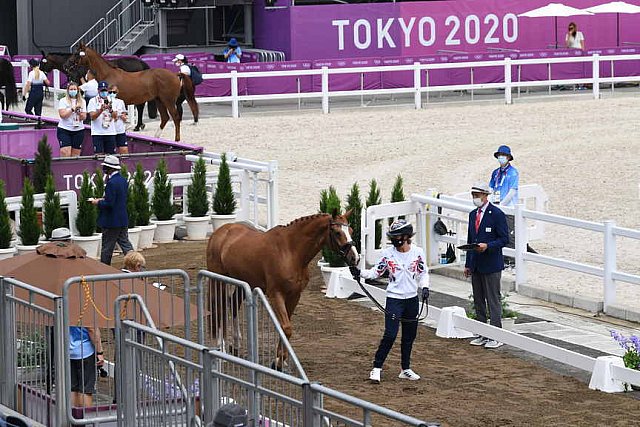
x=461, y=385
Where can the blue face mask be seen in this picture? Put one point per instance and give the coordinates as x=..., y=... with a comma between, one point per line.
x=503, y=160
x=73, y=93
x=104, y=94
x=112, y=95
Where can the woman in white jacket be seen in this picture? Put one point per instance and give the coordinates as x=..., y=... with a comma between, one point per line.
x=407, y=270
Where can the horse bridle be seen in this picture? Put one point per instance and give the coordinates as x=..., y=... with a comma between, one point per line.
x=343, y=250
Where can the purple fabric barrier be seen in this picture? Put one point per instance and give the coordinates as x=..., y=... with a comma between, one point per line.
x=267, y=85
x=12, y=172
x=436, y=77
x=351, y=81
x=23, y=143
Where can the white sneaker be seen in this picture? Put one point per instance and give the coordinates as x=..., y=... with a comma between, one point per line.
x=479, y=341
x=408, y=374
x=493, y=344
x=374, y=375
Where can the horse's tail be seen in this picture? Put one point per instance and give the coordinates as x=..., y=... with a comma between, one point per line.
x=8, y=79
x=189, y=92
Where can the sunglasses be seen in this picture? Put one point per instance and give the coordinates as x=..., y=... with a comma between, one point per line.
x=113, y=91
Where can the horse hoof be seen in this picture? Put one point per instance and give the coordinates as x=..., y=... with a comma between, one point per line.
x=276, y=368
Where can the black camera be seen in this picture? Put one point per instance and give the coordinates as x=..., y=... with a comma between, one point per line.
x=102, y=372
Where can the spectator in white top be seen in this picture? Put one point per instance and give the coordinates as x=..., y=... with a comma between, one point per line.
x=121, y=120
x=33, y=90
x=72, y=111
x=574, y=38
x=408, y=278
x=89, y=86
x=103, y=115
x=232, y=53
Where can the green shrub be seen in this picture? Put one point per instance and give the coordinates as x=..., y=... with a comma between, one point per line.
x=354, y=203
x=41, y=165
x=131, y=197
x=5, y=223
x=162, y=192
x=397, y=194
x=506, y=311
x=52, y=212
x=87, y=212
x=143, y=209
x=197, y=202
x=29, y=228
x=98, y=184
x=374, y=198
x=224, y=202
x=330, y=203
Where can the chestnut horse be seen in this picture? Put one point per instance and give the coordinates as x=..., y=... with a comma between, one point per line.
x=138, y=87
x=276, y=260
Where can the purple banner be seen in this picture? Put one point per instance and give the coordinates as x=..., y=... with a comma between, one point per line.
x=418, y=28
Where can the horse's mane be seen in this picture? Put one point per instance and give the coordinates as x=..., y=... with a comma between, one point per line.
x=305, y=219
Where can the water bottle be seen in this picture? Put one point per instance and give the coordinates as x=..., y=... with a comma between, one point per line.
x=443, y=258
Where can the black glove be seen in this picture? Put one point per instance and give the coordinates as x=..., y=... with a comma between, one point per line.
x=355, y=272
x=425, y=294
x=24, y=98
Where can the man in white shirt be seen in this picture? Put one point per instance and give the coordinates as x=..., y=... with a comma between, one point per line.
x=120, y=121
x=103, y=115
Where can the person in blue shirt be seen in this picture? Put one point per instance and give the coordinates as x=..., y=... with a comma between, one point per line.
x=504, y=185
x=112, y=216
x=232, y=53
x=488, y=229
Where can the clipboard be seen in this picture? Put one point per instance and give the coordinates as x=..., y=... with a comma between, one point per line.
x=469, y=247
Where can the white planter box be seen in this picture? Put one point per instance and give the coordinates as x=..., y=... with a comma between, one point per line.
x=25, y=249
x=7, y=253
x=197, y=227
x=134, y=237
x=146, y=236
x=91, y=244
x=165, y=230
x=220, y=220
x=508, y=322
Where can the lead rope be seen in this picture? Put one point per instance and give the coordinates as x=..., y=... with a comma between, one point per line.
x=89, y=298
x=425, y=302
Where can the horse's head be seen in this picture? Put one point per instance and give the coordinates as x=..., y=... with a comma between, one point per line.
x=75, y=67
x=340, y=238
x=45, y=64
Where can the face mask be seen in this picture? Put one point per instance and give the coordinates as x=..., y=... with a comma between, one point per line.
x=106, y=170
x=477, y=201
x=112, y=95
x=73, y=93
x=503, y=160
x=397, y=242
x=104, y=94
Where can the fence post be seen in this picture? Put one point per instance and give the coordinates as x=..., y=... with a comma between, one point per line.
x=129, y=376
x=207, y=397
x=61, y=364
x=234, y=94
x=56, y=83
x=24, y=73
x=272, y=217
x=507, y=81
x=417, y=85
x=596, y=75
x=609, y=264
x=325, y=90
x=520, y=226
x=309, y=400
x=431, y=245
x=8, y=355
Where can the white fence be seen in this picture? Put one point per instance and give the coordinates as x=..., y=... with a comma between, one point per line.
x=424, y=210
x=68, y=199
x=418, y=89
x=24, y=72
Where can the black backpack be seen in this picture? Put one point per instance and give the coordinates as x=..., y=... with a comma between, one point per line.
x=196, y=75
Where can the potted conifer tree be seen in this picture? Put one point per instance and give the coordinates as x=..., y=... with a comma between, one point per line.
x=53, y=216
x=197, y=220
x=6, y=250
x=30, y=229
x=224, y=201
x=41, y=165
x=162, y=206
x=134, y=230
x=330, y=203
x=143, y=210
x=87, y=237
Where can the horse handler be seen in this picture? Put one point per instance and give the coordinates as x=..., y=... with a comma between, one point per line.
x=405, y=264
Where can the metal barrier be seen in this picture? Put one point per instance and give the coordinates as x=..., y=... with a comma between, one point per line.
x=88, y=303
x=31, y=318
x=152, y=397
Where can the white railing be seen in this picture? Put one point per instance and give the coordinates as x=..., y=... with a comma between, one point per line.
x=24, y=73
x=418, y=89
x=68, y=199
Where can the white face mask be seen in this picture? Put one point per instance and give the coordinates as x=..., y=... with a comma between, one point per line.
x=477, y=201
x=503, y=160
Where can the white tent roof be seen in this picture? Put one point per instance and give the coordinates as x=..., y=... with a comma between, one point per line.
x=615, y=7
x=555, y=9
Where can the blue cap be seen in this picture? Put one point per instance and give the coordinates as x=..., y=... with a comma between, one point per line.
x=503, y=149
x=103, y=85
x=233, y=42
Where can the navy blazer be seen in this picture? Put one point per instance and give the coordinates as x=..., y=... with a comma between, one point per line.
x=113, y=208
x=494, y=232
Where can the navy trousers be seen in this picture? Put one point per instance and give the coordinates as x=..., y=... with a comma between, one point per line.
x=111, y=236
x=396, y=309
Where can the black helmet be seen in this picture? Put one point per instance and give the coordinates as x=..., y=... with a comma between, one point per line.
x=34, y=62
x=400, y=227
